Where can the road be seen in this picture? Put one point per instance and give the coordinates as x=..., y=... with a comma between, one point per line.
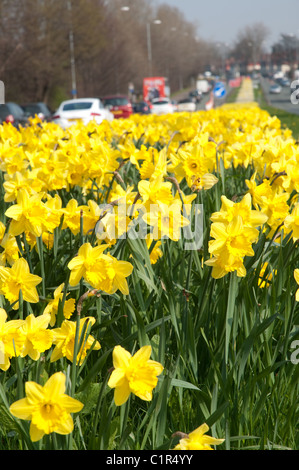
x=281, y=100
x=205, y=98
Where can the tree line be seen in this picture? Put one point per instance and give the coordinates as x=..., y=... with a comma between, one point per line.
x=112, y=47
x=115, y=43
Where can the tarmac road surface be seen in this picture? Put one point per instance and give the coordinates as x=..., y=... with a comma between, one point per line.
x=281, y=100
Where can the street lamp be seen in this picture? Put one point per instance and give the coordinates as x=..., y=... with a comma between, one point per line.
x=149, y=39
x=72, y=52
x=149, y=45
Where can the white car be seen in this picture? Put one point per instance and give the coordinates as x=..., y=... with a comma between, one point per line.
x=81, y=110
x=186, y=105
x=162, y=106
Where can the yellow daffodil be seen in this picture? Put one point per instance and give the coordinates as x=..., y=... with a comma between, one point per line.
x=198, y=440
x=275, y=206
x=90, y=265
x=114, y=224
x=52, y=307
x=28, y=215
x=102, y=272
x=11, y=339
x=64, y=340
x=133, y=374
x=10, y=252
x=155, y=192
x=166, y=221
x=54, y=207
x=230, y=209
x=13, y=160
x=232, y=242
x=15, y=182
x=91, y=216
x=18, y=278
x=291, y=223
x=206, y=181
x=37, y=337
x=265, y=276
x=47, y=407
x=72, y=216
x=195, y=160
x=121, y=270
x=156, y=251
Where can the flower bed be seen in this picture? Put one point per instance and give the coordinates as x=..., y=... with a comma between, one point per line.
x=148, y=282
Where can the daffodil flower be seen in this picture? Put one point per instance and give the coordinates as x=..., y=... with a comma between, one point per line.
x=11, y=339
x=18, y=278
x=232, y=242
x=166, y=221
x=47, y=407
x=53, y=304
x=37, y=337
x=64, y=340
x=28, y=215
x=198, y=440
x=101, y=271
x=133, y=374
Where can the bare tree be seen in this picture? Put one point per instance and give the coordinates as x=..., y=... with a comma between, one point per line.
x=112, y=47
x=249, y=44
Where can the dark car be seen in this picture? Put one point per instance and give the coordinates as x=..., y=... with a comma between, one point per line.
x=119, y=105
x=37, y=109
x=13, y=113
x=195, y=95
x=141, y=108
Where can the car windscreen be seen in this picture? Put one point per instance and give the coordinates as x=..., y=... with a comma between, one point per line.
x=15, y=110
x=115, y=101
x=36, y=108
x=160, y=102
x=77, y=106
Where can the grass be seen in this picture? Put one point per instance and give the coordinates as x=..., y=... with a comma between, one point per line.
x=232, y=95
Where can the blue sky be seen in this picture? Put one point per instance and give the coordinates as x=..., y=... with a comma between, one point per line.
x=221, y=20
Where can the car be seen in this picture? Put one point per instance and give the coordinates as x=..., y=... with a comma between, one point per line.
x=13, y=113
x=186, y=104
x=39, y=109
x=195, y=95
x=142, y=107
x=284, y=82
x=81, y=110
x=162, y=106
x=119, y=105
x=275, y=89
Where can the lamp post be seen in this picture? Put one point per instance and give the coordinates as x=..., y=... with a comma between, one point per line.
x=149, y=39
x=149, y=45
x=72, y=52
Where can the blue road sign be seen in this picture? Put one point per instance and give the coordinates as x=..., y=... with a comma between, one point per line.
x=219, y=90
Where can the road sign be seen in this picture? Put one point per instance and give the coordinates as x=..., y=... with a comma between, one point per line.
x=219, y=90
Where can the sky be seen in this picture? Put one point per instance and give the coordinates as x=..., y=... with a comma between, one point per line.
x=221, y=20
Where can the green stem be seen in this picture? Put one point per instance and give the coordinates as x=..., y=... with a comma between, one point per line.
x=75, y=354
x=27, y=251
x=97, y=410
x=232, y=293
x=39, y=241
